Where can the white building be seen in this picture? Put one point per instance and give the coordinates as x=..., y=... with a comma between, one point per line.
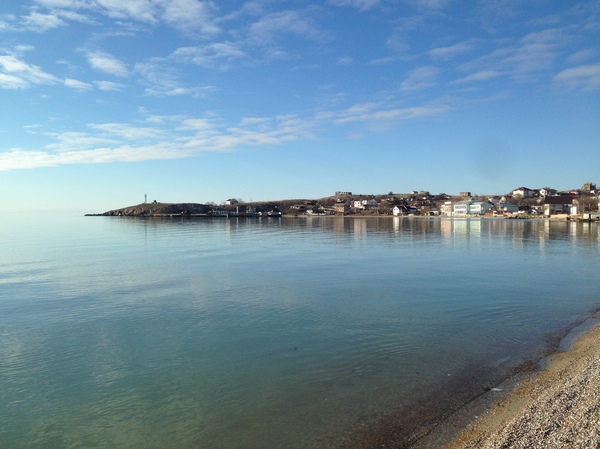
x=558, y=205
x=471, y=207
x=523, y=192
x=446, y=209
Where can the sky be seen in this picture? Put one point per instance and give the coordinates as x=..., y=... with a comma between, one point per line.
x=105, y=101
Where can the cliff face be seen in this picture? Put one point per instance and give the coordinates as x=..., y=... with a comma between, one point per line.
x=159, y=209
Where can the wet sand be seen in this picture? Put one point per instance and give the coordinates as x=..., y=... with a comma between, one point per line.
x=557, y=406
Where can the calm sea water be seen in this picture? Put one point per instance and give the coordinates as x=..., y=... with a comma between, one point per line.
x=270, y=334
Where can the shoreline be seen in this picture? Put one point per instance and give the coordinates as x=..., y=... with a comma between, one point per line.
x=440, y=420
x=557, y=404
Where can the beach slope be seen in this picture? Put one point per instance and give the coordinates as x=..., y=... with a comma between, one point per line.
x=555, y=408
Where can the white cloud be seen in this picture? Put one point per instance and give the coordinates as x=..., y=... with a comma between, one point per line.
x=127, y=132
x=140, y=10
x=22, y=159
x=163, y=80
x=18, y=74
x=76, y=141
x=167, y=138
x=42, y=22
x=536, y=52
x=12, y=82
x=585, y=77
x=482, y=75
x=109, y=85
x=77, y=85
x=255, y=121
x=377, y=114
x=218, y=54
x=298, y=23
x=383, y=61
x=420, y=78
x=581, y=56
x=431, y=5
x=193, y=16
x=362, y=5
x=107, y=63
x=524, y=59
x=171, y=137
x=450, y=51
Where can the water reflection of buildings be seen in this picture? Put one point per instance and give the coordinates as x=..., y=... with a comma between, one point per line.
x=466, y=228
x=360, y=229
x=520, y=234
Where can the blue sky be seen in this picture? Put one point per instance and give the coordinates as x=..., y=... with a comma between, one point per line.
x=104, y=101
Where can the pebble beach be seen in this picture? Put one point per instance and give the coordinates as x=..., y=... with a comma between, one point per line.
x=557, y=407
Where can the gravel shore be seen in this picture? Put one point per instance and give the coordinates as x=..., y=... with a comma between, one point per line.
x=558, y=407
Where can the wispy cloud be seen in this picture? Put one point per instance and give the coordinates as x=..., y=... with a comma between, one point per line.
x=537, y=51
x=483, y=75
x=107, y=63
x=189, y=16
x=430, y=4
x=17, y=74
x=163, y=79
x=451, y=51
x=174, y=137
x=383, y=61
x=109, y=85
x=38, y=22
x=377, y=114
x=128, y=132
x=362, y=5
x=420, y=78
x=298, y=23
x=523, y=60
x=581, y=56
x=23, y=159
x=113, y=142
x=216, y=55
x=77, y=85
x=344, y=60
x=12, y=82
x=585, y=77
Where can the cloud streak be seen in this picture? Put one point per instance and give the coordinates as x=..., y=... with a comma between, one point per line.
x=176, y=137
x=585, y=77
x=17, y=74
x=189, y=16
x=107, y=63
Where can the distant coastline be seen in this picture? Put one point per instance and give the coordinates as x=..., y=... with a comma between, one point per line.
x=576, y=204
x=289, y=208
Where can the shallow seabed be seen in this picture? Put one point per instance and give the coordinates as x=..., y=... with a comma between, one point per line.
x=270, y=333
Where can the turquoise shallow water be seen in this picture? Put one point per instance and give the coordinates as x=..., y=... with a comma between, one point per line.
x=295, y=333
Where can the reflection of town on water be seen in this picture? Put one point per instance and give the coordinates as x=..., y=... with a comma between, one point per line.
x=521, y=234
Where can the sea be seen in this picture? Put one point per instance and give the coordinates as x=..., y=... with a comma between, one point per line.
x=272, y=333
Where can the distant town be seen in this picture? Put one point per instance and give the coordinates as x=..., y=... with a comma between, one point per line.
x=522, y=202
